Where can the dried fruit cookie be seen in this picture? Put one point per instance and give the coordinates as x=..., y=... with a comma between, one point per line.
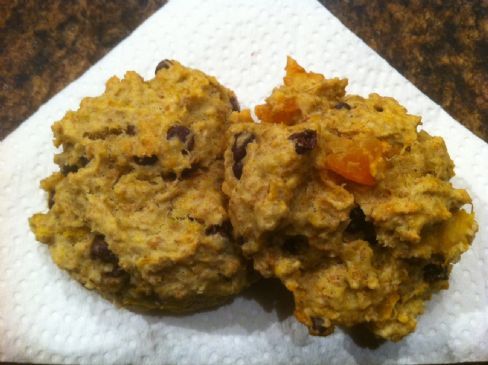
x=136, y=211
x=348, y=204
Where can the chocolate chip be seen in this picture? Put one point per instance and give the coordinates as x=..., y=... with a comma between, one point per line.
x=434, y=273
x=378, y=108
x=189, y=172
x=342, y=105
x=235, y=104
x=130, y=130
x=318, y=326
x=82, y=162
x=241, y=140
x=304, y=141
x=100, y=251
x=357, y=217
x=146, y=160
x=66, y=169
x=50, y=199
x=213, y=229
x=360, y=226
x=237, y=169
x=170, y=176
x=164, y=64
x=179, y=131
x=224, y=229
x=294, y=244
x=182, y=133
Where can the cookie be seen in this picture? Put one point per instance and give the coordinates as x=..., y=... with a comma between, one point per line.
x=346, y=202
x=136, y=211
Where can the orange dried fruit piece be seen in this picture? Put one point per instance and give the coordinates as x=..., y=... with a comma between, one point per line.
x=283, y=106
x=292, y=68
x=243, y=116
x=285, y=111
x=353, y=166
x=357, y=160
x=297, y=74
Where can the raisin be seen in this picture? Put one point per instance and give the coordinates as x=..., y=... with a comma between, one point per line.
x=240, y=144
x=179, y=131
x=359, y=225
x=182, y=133
x=235, y=104
x=65, y=170
x=434, y=273
x=189, y=172
x=342, y=105
x=241, y=140
x=163, y=64
x=82, y=162
x=224, y=229
x=237, y=169
x=170, y=176
x=294, y=244
x=357, y=217
x=304, y=141
x=146, y=160
x=100, y=251
x=130, y=130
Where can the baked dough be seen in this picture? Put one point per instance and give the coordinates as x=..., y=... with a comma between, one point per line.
x=136, y=211
x=346, y=202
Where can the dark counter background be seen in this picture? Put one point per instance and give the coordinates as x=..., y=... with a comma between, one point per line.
x=439, y=45
x=46, y=44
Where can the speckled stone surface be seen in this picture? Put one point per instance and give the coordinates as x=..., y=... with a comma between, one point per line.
x=439, y=45
x=46, y=317
x=46, y=44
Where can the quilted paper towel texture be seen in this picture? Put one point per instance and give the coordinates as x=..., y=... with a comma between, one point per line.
x=47, y=317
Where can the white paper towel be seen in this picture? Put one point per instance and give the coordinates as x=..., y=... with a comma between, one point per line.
x=47, y=317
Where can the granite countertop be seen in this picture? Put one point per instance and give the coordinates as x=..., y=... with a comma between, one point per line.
x=44, y=45
x=440, y=45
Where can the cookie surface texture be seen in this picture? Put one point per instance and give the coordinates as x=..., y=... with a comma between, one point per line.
x=343, y=200
x=136, y=211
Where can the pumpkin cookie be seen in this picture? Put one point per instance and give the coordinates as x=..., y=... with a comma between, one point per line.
x=346, y=202
x=136, y=211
